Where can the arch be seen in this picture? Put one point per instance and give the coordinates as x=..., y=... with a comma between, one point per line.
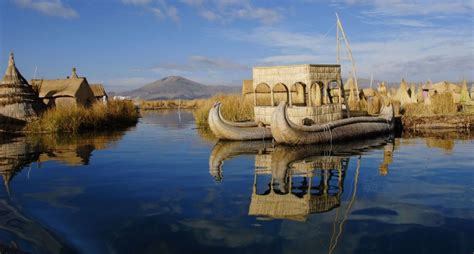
x=263, y=95
x=316, y=92
x=334, y=93
x=280, y=93
x=298, y=94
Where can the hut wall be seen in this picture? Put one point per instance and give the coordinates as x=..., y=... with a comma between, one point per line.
x=84, y=95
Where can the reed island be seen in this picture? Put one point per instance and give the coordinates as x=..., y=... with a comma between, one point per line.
x=69, y=105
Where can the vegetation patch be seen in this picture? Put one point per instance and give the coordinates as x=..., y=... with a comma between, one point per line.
x=234, y=108
x=113, y=115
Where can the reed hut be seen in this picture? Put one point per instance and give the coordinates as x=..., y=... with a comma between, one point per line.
x=63, y=93
x=99, y=93
x=18, y=101
x=402, y=94
x=464, y=98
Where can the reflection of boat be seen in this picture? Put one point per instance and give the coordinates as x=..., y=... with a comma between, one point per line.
x=299, y=188
x=226, y=130
x=303, y=179
x=225, y=150
x=284, y=131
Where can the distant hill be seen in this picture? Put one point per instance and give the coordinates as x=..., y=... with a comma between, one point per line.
x=176, y=87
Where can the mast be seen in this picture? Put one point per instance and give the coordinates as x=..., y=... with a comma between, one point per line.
x=338, y=57
x=339, y=25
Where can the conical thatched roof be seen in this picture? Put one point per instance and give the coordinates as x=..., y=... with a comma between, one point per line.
x=402, y=94
x=464, y=93
x=17, y=98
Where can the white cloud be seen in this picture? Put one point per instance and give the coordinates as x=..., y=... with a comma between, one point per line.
x=160, y=8
x=197, y=64
x=49, y=7
x=227, y=10
x=410, y=7
x=137, y=2
x=431, y=52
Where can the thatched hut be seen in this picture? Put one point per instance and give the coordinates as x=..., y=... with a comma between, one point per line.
x=18, y=101
x=72, y=91
x=402, y=94
x=99, y=93
x=464, y=98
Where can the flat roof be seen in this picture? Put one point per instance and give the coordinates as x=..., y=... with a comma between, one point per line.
x=297, y=65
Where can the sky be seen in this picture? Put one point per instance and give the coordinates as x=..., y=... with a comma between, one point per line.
x=125, y=44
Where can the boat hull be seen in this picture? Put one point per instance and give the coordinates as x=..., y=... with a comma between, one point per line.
x=286, y=132
x=225, y=130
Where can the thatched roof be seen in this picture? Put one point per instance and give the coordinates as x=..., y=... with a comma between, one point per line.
x=49, y=88
x=17, y=98
x=402, y=94
x=98, y=90
x=445, y=86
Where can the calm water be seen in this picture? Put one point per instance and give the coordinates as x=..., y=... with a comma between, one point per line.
x=164, y=187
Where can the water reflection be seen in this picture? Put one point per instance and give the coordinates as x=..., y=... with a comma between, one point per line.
x=24, y=231
x=17, y=152
x=291, y=182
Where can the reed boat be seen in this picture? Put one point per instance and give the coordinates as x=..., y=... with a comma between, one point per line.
x=286, y=132
x=226, y=130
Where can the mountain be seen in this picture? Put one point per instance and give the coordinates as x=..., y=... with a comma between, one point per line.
x=176, y=87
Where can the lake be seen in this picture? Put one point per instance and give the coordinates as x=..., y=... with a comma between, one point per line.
x=166, y=187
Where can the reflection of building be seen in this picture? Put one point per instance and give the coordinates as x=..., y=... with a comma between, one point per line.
x=15, y=153
x=298, y=188
x=387, y=159
x=18, y=152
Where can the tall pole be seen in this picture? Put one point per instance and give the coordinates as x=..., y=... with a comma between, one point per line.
x=338, y=58
x=350, y=54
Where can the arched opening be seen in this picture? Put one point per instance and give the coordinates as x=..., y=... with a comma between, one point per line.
x=280, y=93
x=334, y=93
x=316, y=94
x=263, y=95
x=298, y=94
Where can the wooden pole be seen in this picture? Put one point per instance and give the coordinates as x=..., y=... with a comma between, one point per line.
x=350, y=55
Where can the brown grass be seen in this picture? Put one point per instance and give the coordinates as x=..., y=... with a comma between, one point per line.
x=116, y=114
x=234, y=108
x=441, y=104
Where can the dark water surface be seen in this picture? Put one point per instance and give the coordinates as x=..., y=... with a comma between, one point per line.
x=165, y=187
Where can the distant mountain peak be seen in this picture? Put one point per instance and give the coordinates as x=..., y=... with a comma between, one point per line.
x=177, y=87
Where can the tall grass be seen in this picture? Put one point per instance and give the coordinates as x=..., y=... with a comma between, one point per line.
x=115, y=114
x=441, y=104
x=234, y=108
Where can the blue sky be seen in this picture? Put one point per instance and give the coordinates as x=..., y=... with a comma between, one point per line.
x=127, y=43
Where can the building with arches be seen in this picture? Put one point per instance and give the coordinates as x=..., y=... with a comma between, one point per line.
x=313, y=92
